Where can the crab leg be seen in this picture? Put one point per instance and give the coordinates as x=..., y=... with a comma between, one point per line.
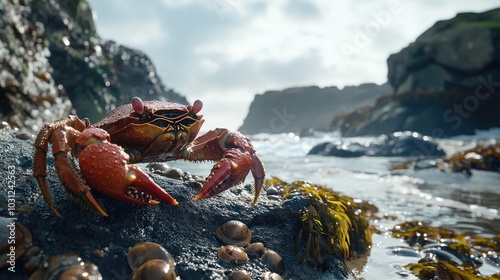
x=235, y=156
x=73, y=183
x=45, y=136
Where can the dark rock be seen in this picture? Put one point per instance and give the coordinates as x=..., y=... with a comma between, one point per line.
x=186, y=231
x=29, y=95
x=54, y=61
x=302, y=108
x=98, y=74
x=399, y=144
x=451, y=54
x=437, y=114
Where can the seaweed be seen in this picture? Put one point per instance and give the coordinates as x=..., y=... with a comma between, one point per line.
x=332, y=224
x=480, y=157
x=463, y=248
x=430, y=267
x=419, y=233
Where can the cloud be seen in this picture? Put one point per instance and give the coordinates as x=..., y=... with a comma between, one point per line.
x=301, y=9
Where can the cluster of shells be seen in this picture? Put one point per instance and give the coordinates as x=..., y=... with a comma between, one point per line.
x=236, y=237
x=149, y=260
x=62, y=266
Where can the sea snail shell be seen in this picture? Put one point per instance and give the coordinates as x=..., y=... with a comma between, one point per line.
x=145, y=251
x=255, y=250
x=273, y=261
x=232, y=254
x=233, y=233
x=155, y=269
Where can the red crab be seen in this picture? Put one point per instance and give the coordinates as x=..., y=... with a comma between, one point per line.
x=140, y=132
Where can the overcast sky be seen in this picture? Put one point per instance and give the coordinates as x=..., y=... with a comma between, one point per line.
x=226, y=51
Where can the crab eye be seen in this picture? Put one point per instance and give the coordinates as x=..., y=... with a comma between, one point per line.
x=138, y=105
x=197, y=106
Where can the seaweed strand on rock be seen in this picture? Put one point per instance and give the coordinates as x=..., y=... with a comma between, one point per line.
x=332, y=225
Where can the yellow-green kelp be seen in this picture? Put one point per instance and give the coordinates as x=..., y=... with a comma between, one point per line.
x=430, y=268
x=465, y=248
x=480, y=157
x=332, y=224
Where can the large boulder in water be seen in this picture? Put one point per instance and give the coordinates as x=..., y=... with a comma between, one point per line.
x=398, y=144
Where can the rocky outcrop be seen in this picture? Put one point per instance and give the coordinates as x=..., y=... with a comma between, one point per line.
x=55, y=61
x=453, y=54
x=399, y=144
x=29, y=95
x=437, y=114
x=447, y=82
x=187, y=230
x=303, y=108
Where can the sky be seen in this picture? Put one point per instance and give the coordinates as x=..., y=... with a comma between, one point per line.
x=224, y=52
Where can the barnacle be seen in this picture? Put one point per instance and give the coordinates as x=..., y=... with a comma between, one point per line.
x=332, y=224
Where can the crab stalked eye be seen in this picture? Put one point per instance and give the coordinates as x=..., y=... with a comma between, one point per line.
x=197, y=106
x=138, y=105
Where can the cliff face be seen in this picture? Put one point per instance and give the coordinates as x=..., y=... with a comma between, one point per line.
x=54, y=63
x=455, y=53
x=303, y=108
x=447, y=82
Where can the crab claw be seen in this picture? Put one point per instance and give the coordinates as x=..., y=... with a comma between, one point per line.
x=236, y=157
x=229, y=171
x=105, y=168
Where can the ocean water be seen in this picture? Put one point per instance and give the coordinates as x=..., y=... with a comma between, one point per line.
x=451, y=200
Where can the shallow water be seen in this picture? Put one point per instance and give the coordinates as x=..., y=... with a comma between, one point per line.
x=451, y=200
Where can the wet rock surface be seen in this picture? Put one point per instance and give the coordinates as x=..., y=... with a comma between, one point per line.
x=29, y=95
x=187, y=231
x=398, y=144
x=97, y=74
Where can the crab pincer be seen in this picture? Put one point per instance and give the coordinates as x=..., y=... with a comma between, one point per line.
x=105, y=167
x=237, y=159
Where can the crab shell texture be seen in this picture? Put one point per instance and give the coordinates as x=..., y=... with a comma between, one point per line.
x=159, y=132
